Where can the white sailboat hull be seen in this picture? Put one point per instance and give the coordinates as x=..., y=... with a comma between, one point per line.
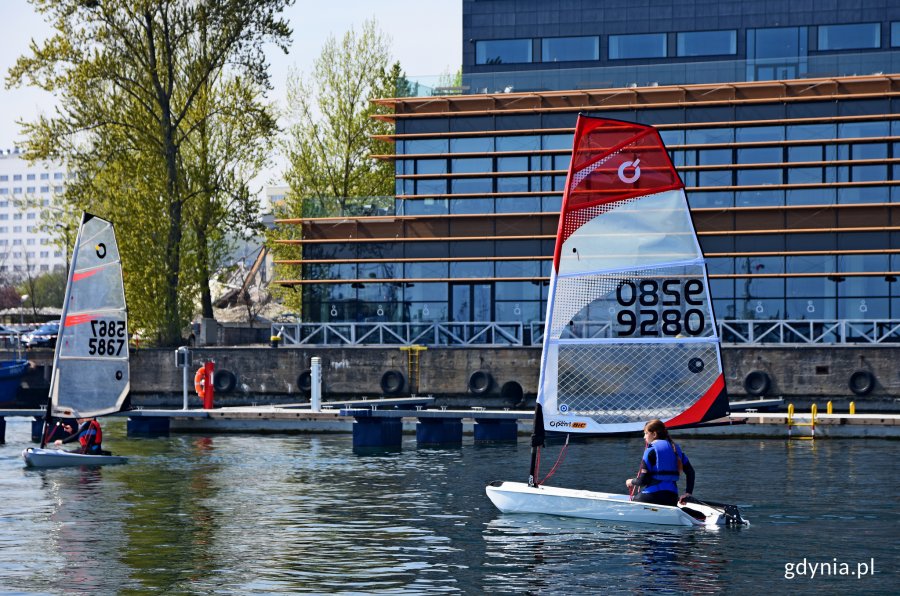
x=518, y=497
x=57, y=458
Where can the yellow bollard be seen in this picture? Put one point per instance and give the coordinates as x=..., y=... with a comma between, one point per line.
x=852, y=408
x=828, y=408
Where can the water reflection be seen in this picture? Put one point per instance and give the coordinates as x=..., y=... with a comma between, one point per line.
x=243, y=514
x=589, y=554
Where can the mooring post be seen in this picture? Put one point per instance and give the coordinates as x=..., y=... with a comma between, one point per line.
x=183, y=361
x=315, y=371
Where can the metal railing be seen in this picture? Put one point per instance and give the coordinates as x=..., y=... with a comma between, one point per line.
x=508, y=334
x=493, y=80
x=401, y=334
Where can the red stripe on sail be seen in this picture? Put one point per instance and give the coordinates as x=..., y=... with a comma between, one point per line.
x=78, y=320
x=707, y=407
x=78, y=275
x=611, y=161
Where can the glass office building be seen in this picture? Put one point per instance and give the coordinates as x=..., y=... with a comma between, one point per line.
x=787, y=138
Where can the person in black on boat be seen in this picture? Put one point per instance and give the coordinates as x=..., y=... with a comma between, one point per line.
x=661, y=466
x=89, y=434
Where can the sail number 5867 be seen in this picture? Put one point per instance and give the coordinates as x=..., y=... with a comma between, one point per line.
x=653, y=321
x=107, y=338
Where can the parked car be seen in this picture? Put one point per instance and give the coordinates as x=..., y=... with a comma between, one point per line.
x=42, y=337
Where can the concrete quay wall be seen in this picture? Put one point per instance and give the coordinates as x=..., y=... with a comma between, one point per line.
x=510, y=375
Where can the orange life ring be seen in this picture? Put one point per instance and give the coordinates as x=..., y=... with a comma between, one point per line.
x=200, y=381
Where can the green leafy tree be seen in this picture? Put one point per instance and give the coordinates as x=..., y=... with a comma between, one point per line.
x=45, y=290
x=331, y=138
x=131, y=77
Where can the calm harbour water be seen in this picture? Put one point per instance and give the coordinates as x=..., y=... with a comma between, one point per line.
x=269, y=514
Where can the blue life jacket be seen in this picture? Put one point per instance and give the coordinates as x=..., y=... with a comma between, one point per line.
x=664, y=473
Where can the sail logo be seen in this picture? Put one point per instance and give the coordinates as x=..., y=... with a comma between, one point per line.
x=630, y=164
x=567, y=424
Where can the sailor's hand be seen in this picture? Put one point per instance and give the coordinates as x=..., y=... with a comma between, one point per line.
x=684, y=497
x=57, y=442
x=629, y=483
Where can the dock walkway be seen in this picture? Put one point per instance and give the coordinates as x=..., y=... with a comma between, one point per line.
x=381, y=422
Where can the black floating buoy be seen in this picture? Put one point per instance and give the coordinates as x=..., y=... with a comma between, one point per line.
x=224, y=381
x=512, y=391
x=392, y=382
x=757, y=383
x=862, y=382
x=480, y=382
x=304, y=381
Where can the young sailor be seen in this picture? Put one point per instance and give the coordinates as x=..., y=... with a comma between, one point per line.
x=661, y=466
x=89, y=434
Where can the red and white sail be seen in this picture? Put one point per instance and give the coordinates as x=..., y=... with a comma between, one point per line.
x=630, y=333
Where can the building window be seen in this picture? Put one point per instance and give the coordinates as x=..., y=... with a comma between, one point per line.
x=567, y=49
x=471, y=165
x=472, y=145
x=858, y=36
x=431, y=166
x=781, y=42
x=707, y=43
x=431, y=187
x=503, y=51
x=426, y=146
x=895, y=35
x=649, y=45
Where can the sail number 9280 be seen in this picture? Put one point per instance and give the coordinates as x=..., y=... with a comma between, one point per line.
x=654, y=321
x=107, y=338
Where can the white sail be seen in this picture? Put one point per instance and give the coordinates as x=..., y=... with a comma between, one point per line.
x=91, y=375
x=630, y=333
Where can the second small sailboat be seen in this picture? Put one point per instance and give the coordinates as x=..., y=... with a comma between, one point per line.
x=91, y=375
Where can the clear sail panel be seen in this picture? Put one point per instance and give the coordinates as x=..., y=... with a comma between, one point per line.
x=615, y=383
x=90, y=388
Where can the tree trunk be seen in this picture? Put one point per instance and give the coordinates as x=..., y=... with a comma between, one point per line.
x=206, y=306
x=171, y=332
